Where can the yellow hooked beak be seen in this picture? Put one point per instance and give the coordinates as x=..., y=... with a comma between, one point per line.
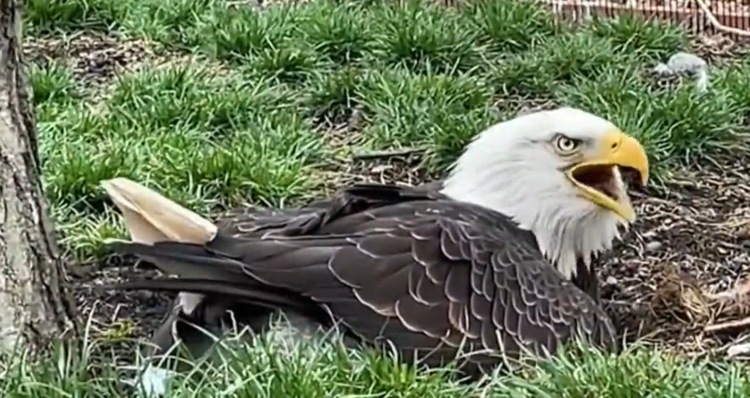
x=599, y=179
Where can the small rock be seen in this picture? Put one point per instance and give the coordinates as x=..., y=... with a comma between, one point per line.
x=738, y=349
x=653, y=246
x=611, y=280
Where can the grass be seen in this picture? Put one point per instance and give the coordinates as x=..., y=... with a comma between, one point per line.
x=241, y=111
x=312, y=368
x=240, y=117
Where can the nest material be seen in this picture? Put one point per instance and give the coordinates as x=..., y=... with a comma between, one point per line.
x=681, y=278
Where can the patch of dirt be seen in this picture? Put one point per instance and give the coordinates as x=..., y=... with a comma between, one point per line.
x=94, y=58
x=691, y=241
x=117, y=320
x=97, y=59
x=342, y=131
x=719, y=49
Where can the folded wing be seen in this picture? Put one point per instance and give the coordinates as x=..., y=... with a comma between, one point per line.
x=435, y=278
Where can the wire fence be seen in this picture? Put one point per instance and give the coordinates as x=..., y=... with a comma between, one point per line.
x=729, y=17
x=709, y=16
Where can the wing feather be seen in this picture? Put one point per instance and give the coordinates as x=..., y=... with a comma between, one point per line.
x=423, y=288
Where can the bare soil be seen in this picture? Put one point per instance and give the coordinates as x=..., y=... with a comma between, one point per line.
x=690, y=242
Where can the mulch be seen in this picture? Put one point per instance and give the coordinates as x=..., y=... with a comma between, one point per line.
x=691, y=241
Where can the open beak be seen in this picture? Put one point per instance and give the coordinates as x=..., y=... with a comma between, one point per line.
x=600, y=180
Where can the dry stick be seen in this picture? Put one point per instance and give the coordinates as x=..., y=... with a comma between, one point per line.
x=386, y=154
x=727, y=325
x=715, y=22
x=731, y=294
x=738, y=349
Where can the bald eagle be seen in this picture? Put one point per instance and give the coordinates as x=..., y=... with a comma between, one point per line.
x=492, y=262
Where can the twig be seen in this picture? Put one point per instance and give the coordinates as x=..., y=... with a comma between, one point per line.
x=727, y=325
x=731, y=294
x=715, y=22
x=738, y=349
x=251, y=3
x=387, y=154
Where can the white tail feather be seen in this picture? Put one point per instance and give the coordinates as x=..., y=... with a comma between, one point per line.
x=151, y=217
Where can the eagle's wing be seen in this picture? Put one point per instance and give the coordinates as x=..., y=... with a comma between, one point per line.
x=256, y=221
x=437, y=278
x=246, y=221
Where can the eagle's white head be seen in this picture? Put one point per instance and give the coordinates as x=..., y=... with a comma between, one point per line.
x=557, y=174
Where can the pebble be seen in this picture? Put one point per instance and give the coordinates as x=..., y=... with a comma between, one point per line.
x=653, y=246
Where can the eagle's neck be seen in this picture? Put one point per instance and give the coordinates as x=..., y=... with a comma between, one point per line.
x=570, y=231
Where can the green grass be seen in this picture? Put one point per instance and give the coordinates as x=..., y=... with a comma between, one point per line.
x=315, y=369
x=242, y=122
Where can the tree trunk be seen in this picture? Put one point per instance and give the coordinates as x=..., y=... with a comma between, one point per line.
x=34, y=306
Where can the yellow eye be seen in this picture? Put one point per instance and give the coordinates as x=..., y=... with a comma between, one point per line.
x=565, y=144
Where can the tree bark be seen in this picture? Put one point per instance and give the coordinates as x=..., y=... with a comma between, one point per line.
x=34, y=304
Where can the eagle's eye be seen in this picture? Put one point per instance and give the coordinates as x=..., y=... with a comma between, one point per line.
x=566, y=145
